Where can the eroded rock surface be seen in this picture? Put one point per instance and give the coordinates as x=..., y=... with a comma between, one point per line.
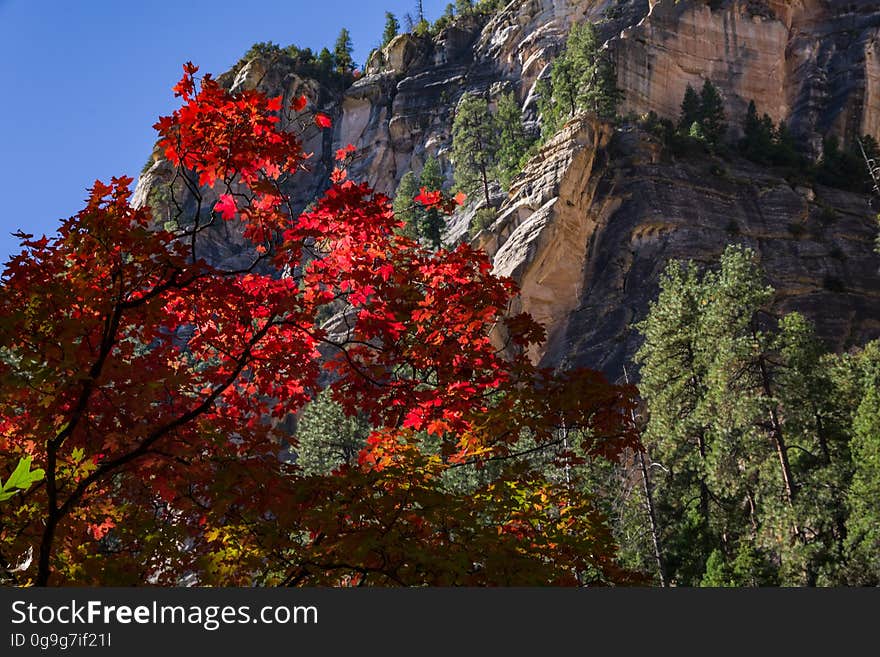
x=591, y=222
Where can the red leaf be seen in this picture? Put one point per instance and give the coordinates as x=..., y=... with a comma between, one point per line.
x=299, y=104
x=343, y=153
x=226, y=207
x=429, y=199
x=323, y=121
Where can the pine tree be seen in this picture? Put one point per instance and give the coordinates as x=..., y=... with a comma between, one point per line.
x=757, y=142
x=326, y=64
x=551, y=119
x=430, y=222
x=597, y=78
x=817, y=421
x=342, y=52
x=464, y=7
x=749, y=441
x=583, y=78
x=785, y=152
x=474, y=145
x=604, y=95
x=863, y=525
x=392, y=27
x=405, y=208
x=750, y=421
x=513, y=142
x=420, y=223
x=712, y=116
x=697, y=132
x=577, y=68
x=674, y=386
x=843, y=166
x=690, y=110
x=326, y=438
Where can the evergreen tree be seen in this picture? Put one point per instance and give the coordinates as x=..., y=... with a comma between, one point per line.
x=392, y=27
x=551, y=110
x=430, y=222
x=863, y=537
x=674, y=386
x=513, y=142
x=844, y=167
x=474, y=145
x=702, y=116
x=712, y=116
x=326, y=64
x=405, y=208
x=342, y=52
x=757, y=142
x=420, y=223
x=749, y=420
x=583, y=78
x=818, y=427
x=326, y=438
x=690, y=110
x=697, y=132
x=766, y=144
x=749, y=441
x=597, y=92
x=422, y=28
x=872, y=149
x=785, y=152
x=464, y=7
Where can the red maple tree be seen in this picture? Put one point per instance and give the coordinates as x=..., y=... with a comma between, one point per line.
x=152, y=388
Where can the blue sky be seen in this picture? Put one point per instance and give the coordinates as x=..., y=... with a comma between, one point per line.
x=84, y=80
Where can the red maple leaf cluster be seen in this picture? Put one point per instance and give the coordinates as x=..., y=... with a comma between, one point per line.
x=156, y=389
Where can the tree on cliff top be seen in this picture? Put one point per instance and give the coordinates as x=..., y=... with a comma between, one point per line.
x=702, y=115
x=712, y=117
x=690, y=109
x=392, y=27
x=153, y=388
x=342, y=52
x=583, y=78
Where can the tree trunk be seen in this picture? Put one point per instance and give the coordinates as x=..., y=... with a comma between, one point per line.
x=485, y=183
x=704, y=489
x=652, y=517
x=45, y=557
x=648, y=490
x=778, y=436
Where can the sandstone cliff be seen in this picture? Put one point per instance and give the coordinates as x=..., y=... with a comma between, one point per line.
x=588, y=234
x=591, y=222
x=812, y=63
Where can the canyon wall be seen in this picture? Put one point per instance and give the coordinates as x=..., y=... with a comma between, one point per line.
x=589, y=225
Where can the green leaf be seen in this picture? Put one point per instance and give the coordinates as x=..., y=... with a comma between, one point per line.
x=21, y=478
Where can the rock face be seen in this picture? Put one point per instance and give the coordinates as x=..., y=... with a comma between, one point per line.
x=812, y=63
x=589, y=234
x=540, y=238
x=591, y=222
